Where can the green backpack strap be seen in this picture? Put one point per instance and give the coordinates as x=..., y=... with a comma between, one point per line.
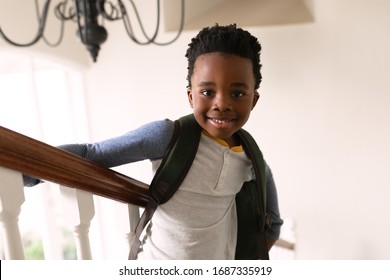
x=251, y=206
x=178, y=160
x=171, y=173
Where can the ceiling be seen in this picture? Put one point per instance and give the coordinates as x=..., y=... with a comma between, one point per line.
x=201, y=13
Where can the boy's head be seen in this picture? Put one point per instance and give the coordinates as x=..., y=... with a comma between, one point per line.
x=223, y=76
x=225, y=39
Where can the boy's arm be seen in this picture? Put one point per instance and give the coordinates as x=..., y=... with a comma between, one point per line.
x=149, y=141
x=273, y=232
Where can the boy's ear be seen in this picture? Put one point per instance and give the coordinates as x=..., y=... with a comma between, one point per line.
x=255, y=99
x=189, y=94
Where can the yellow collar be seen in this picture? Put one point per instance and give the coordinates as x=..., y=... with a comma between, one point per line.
x=223, y=142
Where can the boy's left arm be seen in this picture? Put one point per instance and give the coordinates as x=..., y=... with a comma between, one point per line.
x=272, y=208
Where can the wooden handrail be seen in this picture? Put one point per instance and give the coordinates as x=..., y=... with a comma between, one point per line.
x=39, y=160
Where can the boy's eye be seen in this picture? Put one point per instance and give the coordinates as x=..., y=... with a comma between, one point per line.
x=206, y=92
x=237, y=94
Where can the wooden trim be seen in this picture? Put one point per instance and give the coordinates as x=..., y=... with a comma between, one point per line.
x=285, y=244
x=39, y=160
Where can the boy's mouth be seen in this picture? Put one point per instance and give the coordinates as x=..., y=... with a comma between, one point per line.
x=221, y=123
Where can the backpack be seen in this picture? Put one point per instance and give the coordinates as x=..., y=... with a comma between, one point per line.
x=250, y=201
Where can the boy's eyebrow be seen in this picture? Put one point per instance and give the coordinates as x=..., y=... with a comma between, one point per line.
x=202, y=84
x=236, y=84
x=242, y=85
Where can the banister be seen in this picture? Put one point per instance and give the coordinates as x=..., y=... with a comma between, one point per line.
x=40, y=160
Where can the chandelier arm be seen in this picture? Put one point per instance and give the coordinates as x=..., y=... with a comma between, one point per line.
x=113, y=15
x=60, y=37
x=128, y=26
x=149, y=40
x=41, y=28
x=61, y=13
x=127, y=22
x=59, y=40
x=181, y=27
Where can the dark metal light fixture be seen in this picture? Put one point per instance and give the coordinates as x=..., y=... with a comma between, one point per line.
x=87, y=13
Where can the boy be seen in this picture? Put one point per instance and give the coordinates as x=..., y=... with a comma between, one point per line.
x=199, y=221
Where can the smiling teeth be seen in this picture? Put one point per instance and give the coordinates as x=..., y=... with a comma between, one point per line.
x=220, y=121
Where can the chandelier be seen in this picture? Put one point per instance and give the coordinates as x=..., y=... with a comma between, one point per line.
x=87, y=14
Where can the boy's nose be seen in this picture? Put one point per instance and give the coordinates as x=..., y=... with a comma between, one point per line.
x=222, y=102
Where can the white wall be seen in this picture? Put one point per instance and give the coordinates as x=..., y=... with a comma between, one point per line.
x=324, y=125
x=322, y=121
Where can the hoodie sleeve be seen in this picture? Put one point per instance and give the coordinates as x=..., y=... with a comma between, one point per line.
x=272, y=206
x=149, y=141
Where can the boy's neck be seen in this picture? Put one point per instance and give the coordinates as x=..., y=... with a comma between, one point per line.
x=232, y=142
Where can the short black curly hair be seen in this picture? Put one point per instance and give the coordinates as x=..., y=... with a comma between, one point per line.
x=225, y=39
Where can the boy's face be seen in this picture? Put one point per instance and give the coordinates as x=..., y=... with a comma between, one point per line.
x=222, y=94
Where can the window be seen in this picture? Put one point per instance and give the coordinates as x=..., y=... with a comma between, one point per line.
x=43, y=100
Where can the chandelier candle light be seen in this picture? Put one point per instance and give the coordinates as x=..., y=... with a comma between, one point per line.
x=87, y=14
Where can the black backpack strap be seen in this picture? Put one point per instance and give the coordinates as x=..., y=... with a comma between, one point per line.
x=251, y=206
x=171, y=173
